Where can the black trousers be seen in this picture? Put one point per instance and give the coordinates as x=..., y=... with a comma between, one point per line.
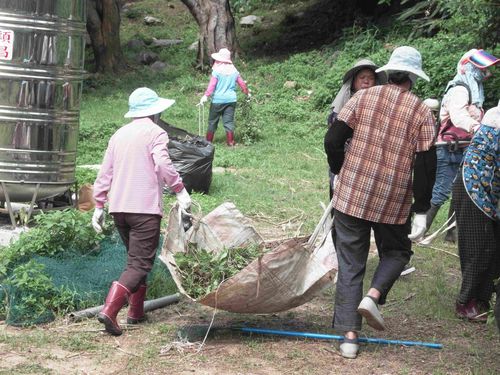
x=478, y=247
x=352, y=242
x=141, y=235
x=224, y=110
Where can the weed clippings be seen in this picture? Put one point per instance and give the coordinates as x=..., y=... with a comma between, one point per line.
x=203, y=271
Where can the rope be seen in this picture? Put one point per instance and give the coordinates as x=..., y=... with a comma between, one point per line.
x=213, y=318
x=446, y=226
x=201, y=119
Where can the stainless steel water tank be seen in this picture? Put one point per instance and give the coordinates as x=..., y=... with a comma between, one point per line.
x=41, y=71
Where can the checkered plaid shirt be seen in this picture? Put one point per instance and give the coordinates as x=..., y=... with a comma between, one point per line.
x=389, y=125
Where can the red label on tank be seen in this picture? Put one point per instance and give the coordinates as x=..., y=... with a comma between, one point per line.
x=6, y=44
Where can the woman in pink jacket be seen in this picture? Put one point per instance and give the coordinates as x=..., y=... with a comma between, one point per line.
x=135, y=168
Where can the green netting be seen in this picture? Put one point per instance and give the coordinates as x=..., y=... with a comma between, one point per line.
x=88, y=276
x=69, y=281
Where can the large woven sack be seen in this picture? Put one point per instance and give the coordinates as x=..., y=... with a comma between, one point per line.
x=287, y=276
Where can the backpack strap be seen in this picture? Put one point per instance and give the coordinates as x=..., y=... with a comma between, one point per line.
x=455, y=84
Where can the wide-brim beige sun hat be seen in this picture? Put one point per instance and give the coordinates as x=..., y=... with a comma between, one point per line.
x=144, y=102
x=224, y=55
x=405, y=59
x=365, y=64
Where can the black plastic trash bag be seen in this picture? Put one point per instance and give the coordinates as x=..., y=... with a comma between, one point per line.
x=192, y=156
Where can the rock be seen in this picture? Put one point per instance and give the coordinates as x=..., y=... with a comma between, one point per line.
x=290, y=85
x=147, y=57
x=158, y=66
x=150, y=20
x=193, y=46
x=135, y=44
x=218, y=170
x=9, y=235
x=249, y=21
x=165, y=42
x=127, y=6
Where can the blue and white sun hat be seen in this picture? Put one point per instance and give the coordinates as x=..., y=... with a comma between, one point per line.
x=405, y=59
x=144, y=102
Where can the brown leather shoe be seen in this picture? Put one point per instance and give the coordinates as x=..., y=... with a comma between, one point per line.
x=472, y=310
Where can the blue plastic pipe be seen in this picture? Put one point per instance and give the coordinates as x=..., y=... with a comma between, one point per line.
x=323, y=336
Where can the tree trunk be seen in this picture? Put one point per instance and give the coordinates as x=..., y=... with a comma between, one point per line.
x=103, y=26
x=217, y=30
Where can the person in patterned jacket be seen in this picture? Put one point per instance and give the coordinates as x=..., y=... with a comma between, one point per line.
x=476, y=200
x=135, y=168
x=387, y=125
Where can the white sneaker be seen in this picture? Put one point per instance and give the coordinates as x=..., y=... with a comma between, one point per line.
x=368, y=309
x=349, y=350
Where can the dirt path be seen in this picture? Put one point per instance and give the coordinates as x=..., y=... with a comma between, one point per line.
x=169, y=344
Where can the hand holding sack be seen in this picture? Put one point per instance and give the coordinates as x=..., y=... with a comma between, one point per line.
x=418, y=227
x=184, y=200
x=98, y=219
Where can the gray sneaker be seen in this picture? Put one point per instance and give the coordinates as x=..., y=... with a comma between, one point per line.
x=369, y=310
x=349, y=348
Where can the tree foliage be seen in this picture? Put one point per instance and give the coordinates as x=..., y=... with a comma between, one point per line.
x=427, y=17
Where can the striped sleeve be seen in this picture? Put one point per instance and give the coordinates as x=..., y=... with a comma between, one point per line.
x=348, y=112
x=427, y=135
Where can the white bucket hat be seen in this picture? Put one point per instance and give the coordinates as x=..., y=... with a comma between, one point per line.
x=224, y=55
x=144, y=102
x=405, y=59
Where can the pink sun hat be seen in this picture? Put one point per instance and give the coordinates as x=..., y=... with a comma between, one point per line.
x=224, y=55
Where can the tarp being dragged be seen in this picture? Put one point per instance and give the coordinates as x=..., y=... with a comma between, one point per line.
x=287, y=276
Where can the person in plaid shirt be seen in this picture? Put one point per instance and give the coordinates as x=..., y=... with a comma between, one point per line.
x=388, y=126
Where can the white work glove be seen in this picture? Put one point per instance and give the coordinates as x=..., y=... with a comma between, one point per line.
x=184, y=200
x=433, y=104
x=203, y=99
x=98, y=219
x=418, y=227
